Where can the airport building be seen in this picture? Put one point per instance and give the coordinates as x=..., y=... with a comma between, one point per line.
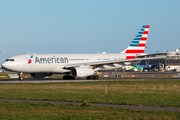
x=170, y=63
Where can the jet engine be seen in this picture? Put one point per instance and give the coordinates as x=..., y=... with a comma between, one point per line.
x=40, y=75
x=81, y=71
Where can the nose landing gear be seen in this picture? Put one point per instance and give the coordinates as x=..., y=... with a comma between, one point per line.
x=20, y=76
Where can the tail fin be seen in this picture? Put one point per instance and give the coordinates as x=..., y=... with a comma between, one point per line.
x=138, y=45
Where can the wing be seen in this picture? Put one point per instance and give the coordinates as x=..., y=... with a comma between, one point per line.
x=111, y=62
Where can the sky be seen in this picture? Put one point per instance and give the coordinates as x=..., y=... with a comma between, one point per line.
x=86, y=26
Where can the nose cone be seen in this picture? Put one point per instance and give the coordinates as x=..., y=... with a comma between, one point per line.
x=5, y=65
x=8, y=65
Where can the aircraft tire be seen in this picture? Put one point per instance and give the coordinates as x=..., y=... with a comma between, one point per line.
x=96, y=77
x=91, y=77
x=64, y=77
x=72, y=78
x=21, y=78
x=88, y=77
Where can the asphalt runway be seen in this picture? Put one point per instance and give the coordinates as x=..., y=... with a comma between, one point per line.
x=102, y=105
x=16, y=81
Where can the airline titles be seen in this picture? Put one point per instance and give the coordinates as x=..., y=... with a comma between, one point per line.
x=51, y=60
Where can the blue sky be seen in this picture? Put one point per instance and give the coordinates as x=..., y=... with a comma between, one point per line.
x=86, y=26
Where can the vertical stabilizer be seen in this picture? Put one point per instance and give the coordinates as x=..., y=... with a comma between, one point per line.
x=138, y=44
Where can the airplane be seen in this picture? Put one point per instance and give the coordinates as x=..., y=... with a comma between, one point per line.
x=78, y=65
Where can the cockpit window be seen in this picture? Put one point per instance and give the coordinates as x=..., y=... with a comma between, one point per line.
x=9, y=59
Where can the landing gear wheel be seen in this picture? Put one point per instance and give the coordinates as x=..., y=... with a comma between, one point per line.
x=21, y=78
x=96, y=77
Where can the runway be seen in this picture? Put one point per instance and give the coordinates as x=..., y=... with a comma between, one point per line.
x=16, y=81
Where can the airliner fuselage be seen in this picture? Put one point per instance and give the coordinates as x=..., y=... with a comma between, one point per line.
x=55, y=63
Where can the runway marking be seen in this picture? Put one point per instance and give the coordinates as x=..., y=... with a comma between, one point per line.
x=150, y=108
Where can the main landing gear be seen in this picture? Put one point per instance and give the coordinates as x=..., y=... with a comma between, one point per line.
x=92, y=77
x=21, y=76
x=68, y=77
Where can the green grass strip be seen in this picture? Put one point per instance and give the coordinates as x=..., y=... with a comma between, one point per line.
x=165, y=93
x=42, y=111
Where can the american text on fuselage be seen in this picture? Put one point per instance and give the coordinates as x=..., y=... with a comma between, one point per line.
x=51, y=60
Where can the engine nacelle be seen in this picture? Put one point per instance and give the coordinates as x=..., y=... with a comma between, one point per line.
x=81, y=71
x=40, y=75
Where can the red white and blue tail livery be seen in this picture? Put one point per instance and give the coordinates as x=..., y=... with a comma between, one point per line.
x=138, y=44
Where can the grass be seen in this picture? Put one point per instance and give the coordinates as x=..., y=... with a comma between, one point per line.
x=149, y=93
x=42, y=111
